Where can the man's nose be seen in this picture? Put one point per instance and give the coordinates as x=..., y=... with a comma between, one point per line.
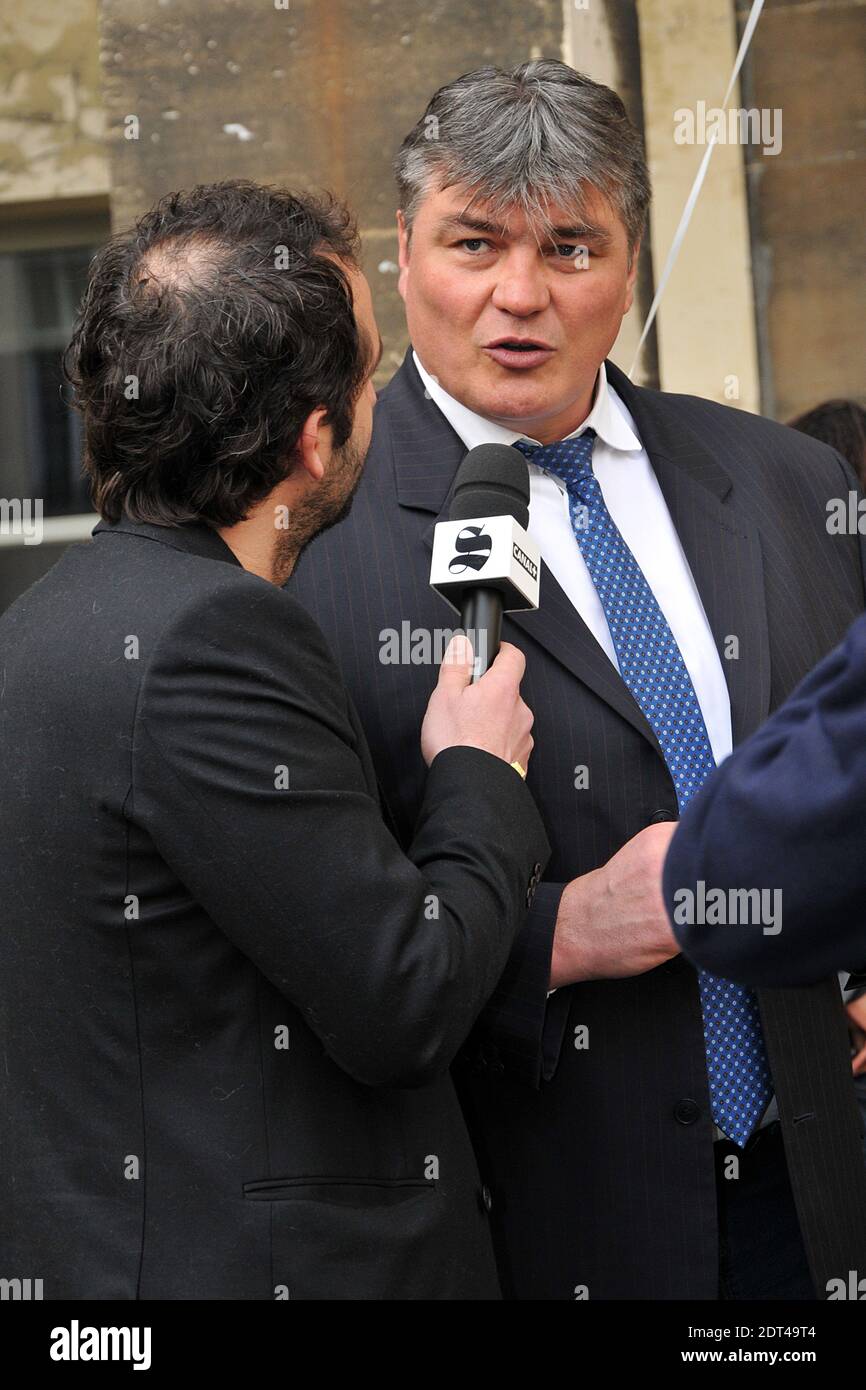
x=521, y=288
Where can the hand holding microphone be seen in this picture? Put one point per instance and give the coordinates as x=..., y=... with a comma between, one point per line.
x=488, y=714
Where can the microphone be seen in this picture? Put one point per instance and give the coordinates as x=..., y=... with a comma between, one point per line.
x=484, y=562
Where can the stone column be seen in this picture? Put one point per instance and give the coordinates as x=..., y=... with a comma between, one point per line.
x=706, y=323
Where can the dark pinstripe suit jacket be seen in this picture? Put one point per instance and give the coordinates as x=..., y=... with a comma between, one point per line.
x=599, y=1157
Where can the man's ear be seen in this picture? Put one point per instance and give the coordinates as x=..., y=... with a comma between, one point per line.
x=314, y=445
x=403, y=253
x=631, y=277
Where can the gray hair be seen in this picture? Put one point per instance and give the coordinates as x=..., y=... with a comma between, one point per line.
x=540, y=133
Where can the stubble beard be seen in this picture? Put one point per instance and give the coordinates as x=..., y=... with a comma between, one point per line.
x=328, y=506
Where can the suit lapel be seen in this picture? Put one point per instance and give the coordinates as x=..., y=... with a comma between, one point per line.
x=724, y=555
x=426, y=451
x=558, y=627
x=728, y=570
x=723, y=549
x=427, y=454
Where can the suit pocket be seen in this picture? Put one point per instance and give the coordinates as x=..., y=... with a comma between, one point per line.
x=356, y=1238
x=345, y=1192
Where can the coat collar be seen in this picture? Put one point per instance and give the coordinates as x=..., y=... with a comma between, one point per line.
x=606, y=417
x=195, y=538
x=424, y=476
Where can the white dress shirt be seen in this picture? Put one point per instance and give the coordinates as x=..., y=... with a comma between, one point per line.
x=634, y=499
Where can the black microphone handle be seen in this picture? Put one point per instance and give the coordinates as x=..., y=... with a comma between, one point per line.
x=481, y=620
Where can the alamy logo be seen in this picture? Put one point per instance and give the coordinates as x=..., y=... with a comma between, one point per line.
x=472, y=548
x=77, y=1343
x=20, y=1290
x=22, y=516
x=739, y=907
x=424, y=646
x=734, y=126
x=853, y=1288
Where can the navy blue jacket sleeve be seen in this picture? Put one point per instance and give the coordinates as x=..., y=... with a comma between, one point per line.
x=785, y=814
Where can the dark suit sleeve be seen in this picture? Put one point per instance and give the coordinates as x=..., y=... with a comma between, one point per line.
x=786, y=811
x=520, y=1030
x=248, y=778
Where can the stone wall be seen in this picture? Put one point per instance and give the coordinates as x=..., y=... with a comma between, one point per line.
x=51, y=107
x=317, y=93
x=808, y=59
x=320, y=91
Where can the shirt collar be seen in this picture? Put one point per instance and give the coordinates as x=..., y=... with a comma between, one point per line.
x=608, y=417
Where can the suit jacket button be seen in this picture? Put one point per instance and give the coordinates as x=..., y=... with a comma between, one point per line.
x=686, y=1112
x=486, y=1197
x=533, y=884
x=658, y=816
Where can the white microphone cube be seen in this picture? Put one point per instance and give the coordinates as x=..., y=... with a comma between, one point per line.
x=488, y=550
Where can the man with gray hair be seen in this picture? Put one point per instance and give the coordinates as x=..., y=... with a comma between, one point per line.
x=645, y=1130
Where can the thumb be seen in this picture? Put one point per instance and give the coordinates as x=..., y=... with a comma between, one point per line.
x=455, y=673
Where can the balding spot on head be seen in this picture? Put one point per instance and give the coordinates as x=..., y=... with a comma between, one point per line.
x=177, y=265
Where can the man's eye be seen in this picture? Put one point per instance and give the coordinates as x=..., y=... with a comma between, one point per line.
x=474, y=244
x=567, y=252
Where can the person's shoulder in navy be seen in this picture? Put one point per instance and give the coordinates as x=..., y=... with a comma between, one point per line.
x=765, y=876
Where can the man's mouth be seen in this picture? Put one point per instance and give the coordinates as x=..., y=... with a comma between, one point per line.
x=522, y=353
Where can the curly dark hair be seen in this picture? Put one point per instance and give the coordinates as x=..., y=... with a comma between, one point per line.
x=842, y=424
x=206, y=336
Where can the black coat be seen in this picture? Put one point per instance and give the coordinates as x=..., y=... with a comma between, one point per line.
x=229, y=1000
x=600, y=1157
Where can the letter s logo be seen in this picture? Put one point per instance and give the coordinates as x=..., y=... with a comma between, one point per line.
x=473, y=550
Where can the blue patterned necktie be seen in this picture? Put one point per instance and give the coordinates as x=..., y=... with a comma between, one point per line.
x=652, y=667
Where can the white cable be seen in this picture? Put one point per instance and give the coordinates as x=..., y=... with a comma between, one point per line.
x=694, y=191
